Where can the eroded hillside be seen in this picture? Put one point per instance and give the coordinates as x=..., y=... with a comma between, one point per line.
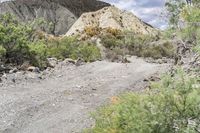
x=61, y=13
x=111, y=17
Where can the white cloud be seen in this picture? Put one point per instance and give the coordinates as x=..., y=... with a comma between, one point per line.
x=148, y=10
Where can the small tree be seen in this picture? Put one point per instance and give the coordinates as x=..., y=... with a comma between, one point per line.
x=174, y=8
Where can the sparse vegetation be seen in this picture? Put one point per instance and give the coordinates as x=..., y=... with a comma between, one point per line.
x=20, y=43
x=92, y=31
x=114, y=32
x=70, y=47
x=139, y=45
x=171, y=106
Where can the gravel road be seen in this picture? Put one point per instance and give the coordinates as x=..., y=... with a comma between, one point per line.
x=62, y=101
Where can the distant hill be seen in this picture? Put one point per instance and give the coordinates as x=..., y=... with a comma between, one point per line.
x=111, y=17
x=62, y=13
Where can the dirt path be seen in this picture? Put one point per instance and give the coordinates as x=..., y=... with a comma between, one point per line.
x=61, y=103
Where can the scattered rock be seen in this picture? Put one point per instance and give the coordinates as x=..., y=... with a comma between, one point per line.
x=14, y=70
x=4, y=68
x=69, y=60
x=152, y=79
x=52, y=62
x=160, y=61
x=33, y=69
x=13, y=80
x=79, y=62
x=25, y=65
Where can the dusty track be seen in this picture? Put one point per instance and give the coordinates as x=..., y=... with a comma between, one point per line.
x=62, y=102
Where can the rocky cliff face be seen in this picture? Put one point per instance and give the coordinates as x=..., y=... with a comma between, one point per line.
x=61, y=13
x=111, y=17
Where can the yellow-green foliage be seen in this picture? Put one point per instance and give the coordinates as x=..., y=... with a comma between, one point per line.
x=191, y=14
x=171, y=106
x=92, y=31
x=114, y=32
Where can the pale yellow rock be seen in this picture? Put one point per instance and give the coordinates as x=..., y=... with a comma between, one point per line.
x=111, y=17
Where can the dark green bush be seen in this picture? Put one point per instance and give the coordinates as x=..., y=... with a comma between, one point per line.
x=88, y=52
x=39, y=52
x=14, y=38
x=171, y=106
x=21, y=42
x=70, y=47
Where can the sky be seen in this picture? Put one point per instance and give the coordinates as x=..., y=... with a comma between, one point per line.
x=148, y=10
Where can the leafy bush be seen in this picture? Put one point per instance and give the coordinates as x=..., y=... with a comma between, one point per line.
x=110, y=41
x=88, y=52
x=2, y=51
x=14, y=37
x=171, y=106
x=70, y=47
x=39, y=51
x=139, y=45
x=62, y=48
x=20, y=43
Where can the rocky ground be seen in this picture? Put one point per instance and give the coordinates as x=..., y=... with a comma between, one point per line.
x=60, y=99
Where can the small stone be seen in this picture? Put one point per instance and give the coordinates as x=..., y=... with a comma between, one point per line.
x=13, y=70
x=159, y=61
x=94, y=89
x=79, y=62
x=68, y=60
x=33, y=69
x=13, y=80
x=145, y=80
x=52, y=62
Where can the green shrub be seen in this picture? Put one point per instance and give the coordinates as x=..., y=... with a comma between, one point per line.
x=171, y=106
x=2, y=51
x=110, y=41
x=39, y=54
x=114, y=32
x=139, y=45
x=20, y=43
x=62, y=48
x=70, y=47
x=14, y=37
x=88, y=52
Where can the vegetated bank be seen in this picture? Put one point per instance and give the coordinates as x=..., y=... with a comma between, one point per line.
x=171, y=104
x=27, y=46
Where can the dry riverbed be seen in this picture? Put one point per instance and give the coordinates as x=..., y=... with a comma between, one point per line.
x=60, y=100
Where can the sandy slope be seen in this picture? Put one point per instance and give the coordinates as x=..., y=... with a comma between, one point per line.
x=61, y=102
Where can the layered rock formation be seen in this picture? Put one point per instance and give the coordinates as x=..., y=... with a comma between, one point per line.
x=61, y=13
x=111, y=17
